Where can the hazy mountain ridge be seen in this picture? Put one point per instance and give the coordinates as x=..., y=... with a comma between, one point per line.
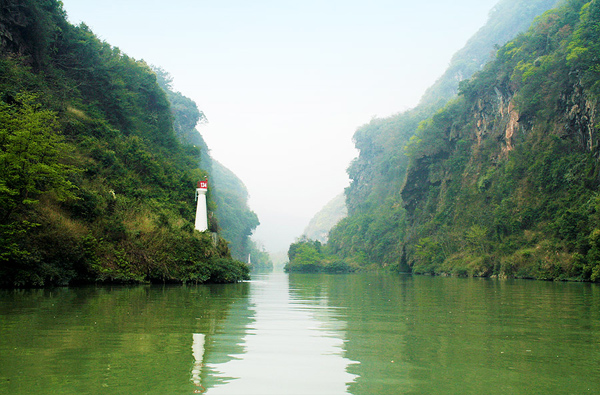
x=505, y=20
x=319, y=226
x=236, y=219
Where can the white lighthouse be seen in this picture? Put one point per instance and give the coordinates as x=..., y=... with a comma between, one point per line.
x=201, y=213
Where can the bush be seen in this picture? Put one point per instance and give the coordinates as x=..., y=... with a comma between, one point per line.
x=227, y=270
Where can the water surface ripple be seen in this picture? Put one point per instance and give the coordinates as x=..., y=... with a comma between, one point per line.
x=365, y=334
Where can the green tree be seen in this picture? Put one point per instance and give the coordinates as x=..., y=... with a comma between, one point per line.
x=476, y=238
x=305, y=256
x=31, y=148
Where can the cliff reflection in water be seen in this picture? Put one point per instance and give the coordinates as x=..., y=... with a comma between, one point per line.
x=434, y=335
x=376, y=329
x=227, y=342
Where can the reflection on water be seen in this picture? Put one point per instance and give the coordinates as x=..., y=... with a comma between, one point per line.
x=107, y=340
x=292, y=345
x=375, y=332
x=365, y=334
x=198, y=353
x=432, y=335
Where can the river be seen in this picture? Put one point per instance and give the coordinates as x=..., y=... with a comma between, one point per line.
x=360, y=334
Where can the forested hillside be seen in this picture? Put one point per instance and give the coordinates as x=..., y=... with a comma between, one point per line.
x=505, y=21
x=377, y=231
x=95, y=184
x=504, y=180
x=376, y=222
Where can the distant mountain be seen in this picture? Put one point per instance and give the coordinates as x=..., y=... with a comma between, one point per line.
x=319, y=226
x=505, y=21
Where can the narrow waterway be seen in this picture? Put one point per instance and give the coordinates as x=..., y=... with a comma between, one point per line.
x=364, y=334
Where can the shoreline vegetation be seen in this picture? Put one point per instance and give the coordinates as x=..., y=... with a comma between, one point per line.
x=310, y=256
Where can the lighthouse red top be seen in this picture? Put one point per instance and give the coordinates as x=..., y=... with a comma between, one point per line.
x=202, y=184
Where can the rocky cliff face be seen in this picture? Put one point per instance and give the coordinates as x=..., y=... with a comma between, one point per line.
x=502, y=181
x=579, y=116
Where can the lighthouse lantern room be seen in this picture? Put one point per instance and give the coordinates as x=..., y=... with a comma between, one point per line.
x=201, y=212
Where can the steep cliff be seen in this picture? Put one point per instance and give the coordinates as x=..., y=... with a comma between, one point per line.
x=503, y=181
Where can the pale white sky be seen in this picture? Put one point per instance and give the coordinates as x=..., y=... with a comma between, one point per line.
x=284, y=84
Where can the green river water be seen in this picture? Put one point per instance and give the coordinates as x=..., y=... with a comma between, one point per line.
x=364, y=334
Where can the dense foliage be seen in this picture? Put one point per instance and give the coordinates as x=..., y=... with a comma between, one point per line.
x=95, y=185
x=504, y=180
x=310, y=256
x=372, y=234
